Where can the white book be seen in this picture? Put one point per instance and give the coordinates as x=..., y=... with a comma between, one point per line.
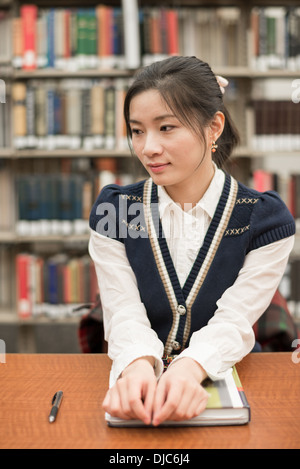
x=131, y=33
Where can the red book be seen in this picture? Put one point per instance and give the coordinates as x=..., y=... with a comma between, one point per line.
x=172, y=27
x=263, y=180
x=104, y=24
x=23, y=286
x=292, y=195
x=29, y=16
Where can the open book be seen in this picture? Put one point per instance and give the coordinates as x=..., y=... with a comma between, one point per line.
x=227, y=405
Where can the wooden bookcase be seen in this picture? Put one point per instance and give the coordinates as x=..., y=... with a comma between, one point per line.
x=224, y=31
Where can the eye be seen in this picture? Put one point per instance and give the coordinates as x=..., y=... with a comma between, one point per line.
x=136, y=131
x=166, y=128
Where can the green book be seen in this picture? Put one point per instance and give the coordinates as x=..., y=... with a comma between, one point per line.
x=227, y=405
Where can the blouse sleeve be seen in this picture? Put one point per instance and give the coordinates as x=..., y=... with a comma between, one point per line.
x=127, y=327
x=229, y=336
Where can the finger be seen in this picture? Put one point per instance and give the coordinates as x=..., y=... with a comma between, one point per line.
x=187, y=405
x=166, y=403
x=159, y=400
x=192, y=404
x=112, y=404
x=139, y=401
x=149, y=400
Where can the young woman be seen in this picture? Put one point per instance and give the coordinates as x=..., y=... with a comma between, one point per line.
x=188, y=259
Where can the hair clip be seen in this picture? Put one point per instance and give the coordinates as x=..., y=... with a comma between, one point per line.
x=222, y=82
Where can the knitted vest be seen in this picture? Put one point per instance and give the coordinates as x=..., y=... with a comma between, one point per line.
x=243, y=220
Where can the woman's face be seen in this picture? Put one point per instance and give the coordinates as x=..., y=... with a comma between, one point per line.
x=173, y=155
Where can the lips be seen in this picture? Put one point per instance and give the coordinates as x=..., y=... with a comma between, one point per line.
x=157, y=167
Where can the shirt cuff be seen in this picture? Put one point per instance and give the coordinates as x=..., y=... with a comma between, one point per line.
x=208, y=357
x=119, y=364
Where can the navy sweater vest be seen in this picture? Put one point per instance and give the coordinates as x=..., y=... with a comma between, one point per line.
x=244, y=220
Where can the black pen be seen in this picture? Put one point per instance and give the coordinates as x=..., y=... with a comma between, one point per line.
x=56, y=401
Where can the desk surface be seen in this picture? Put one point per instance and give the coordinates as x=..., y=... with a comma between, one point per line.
x=28, y=382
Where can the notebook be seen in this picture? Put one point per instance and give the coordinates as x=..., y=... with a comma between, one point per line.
x=227, y=405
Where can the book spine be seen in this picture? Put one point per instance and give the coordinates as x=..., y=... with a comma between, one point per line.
x=172, y=24
x=24, y=306
x=131, y=33
x=19, y=114
x=110, y=110
x=29, y=17
x=18, y=43
x=51, y=38
x=240, y=388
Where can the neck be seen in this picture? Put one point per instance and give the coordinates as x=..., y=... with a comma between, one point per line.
x=190, y=193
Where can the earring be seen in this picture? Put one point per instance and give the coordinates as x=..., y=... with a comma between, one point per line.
x=214, y=146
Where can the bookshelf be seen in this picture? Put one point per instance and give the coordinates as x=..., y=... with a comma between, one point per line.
x=50, y=126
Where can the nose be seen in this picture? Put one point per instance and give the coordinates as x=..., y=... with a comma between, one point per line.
x=152, y=145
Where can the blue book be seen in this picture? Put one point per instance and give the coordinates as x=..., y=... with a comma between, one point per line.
x=50, y=38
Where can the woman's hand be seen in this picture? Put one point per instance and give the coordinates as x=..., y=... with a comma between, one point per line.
x=179, y=394
x=133, y=394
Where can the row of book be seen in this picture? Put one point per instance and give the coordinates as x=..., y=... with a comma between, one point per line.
x=287, y=186
x=56, y=286
x=42, y=204
x=69, y=114
x=53, y=286
x=68, y=38
x=126, y=36
x=275, y=38
x=60, y=204
x=277, y=125
x=275, y=111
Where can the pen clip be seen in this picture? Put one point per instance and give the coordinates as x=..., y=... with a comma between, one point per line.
x=54, y=397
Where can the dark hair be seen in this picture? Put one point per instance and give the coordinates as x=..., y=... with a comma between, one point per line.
x=191, y=91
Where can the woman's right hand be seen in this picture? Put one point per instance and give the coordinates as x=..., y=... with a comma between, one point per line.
x=132, y=396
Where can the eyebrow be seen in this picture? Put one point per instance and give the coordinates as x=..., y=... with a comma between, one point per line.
x=158, y=118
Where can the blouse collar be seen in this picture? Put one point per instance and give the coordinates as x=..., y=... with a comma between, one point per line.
x=207, y=203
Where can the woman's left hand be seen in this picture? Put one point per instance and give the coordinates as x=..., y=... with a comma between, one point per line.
x=179, y=394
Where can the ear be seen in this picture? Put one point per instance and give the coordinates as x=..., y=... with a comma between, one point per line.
x=217, y=125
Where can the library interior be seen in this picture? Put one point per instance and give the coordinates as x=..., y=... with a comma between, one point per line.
x=65, y=67
x=57, y=63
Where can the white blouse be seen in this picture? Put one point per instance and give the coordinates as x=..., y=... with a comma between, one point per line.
x=228, y=336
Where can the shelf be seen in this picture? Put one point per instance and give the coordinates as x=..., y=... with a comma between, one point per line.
x=84, y=73
x=61, y=153
x=10, y=317
x=232, y=72
x=241, y=152
x=246, y=72
x=12, y=238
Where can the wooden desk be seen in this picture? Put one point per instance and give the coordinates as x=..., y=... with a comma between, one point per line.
x=28, y=382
